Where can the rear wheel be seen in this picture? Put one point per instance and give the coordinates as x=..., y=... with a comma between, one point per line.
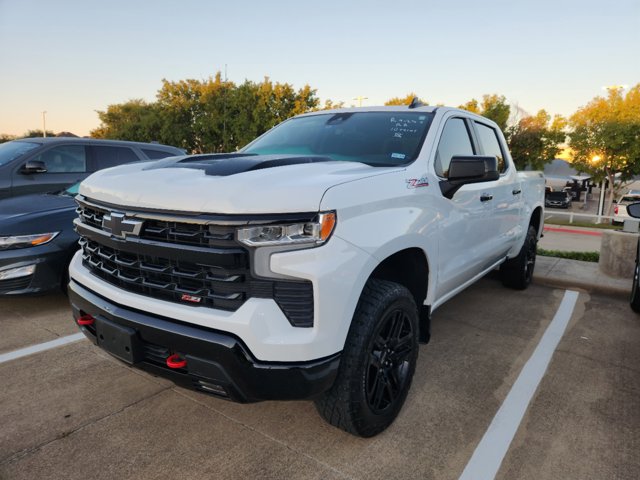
x=635, y=290
x=378, y=361
x=517, y=272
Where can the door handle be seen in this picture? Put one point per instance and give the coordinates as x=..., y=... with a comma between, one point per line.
x=517, y=191
x=485, y=197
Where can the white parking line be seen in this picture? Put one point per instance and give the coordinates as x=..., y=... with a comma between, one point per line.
x=40, y=347
x=490, y=452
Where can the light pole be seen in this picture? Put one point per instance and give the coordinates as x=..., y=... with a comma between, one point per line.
x=615, y=87
x=44, y=124
x=360, y=98
x=594, y=161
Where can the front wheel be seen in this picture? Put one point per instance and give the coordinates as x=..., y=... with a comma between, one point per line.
x=635, y=290
x=517, y=272
x=378, y=361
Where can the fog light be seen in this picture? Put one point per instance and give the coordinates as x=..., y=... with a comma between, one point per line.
x=17, y=272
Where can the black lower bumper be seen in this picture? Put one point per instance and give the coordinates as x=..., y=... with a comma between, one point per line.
x=216, y=363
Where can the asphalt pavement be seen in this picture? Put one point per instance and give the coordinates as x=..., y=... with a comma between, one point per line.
x=74, y=412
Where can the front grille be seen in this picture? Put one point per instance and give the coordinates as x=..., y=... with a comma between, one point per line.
x=169, y=279
x=180, y=233
x=197, y=264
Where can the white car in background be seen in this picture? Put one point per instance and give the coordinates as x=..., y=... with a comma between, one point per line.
x=620, y=210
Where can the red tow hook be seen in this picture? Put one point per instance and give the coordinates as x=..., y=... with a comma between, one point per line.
x=85, y=319
x=176, y=361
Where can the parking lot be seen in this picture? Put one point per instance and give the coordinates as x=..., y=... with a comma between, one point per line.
x=73, y=412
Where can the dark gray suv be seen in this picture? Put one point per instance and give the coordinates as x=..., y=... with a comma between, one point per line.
x=33, y=165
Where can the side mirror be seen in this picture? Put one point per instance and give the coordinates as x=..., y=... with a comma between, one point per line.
x=633, y=209
x=33, y=166
x=464, y=170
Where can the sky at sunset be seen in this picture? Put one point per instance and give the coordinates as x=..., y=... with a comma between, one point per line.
x=71, y=58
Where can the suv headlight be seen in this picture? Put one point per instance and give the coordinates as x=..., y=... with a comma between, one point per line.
x=313, y=233
x=24, y=241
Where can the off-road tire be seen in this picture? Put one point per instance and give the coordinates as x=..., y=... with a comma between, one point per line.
x=635, y=290
x=377, y=364
x=517, y=272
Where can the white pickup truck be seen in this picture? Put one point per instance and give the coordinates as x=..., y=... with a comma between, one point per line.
x=307, y=265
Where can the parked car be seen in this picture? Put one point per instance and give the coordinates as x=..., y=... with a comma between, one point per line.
x=37, y=241
x=557, y=199
x=620, y=211
x=39, y=165
x=633, y=209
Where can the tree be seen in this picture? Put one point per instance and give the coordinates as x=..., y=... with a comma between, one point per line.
x=134, y=120
x=4, y=137
x=329, y=105
x=406, y=100
x=534, y=140
x=471, y=106
x=37, y=133
x=605, y=138
x=494, y=107
x=210, y=115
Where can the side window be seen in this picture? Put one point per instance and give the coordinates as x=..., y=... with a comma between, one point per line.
x=156, y=154
x=64, y=159
x=491, y=145
x=105, y=157
x=454, y=141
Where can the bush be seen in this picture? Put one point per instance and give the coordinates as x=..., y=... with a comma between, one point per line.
x=582, y=256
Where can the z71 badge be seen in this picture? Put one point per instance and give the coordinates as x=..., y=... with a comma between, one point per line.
x=417, y=182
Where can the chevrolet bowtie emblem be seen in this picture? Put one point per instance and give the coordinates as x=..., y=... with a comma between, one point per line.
x=117, y=225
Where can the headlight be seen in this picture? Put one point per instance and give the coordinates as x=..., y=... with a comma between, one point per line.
x=23, y=241
x=312, y=233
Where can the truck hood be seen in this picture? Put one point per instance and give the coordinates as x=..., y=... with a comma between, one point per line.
x=226, y=183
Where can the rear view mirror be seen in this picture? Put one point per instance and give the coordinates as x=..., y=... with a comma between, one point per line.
x=33, y=166
x=633, y=210
x=464, y=170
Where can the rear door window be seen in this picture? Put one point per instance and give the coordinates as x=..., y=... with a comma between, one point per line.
x=488, y=138
x=105, y=157
x=64, y=159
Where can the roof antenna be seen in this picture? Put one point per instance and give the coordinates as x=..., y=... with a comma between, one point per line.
x=415, y=102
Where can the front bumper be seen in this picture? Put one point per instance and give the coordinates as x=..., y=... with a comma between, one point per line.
x=217, y=363
x=50, y=261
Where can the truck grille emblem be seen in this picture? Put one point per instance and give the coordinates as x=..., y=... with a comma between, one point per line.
x=119, y=226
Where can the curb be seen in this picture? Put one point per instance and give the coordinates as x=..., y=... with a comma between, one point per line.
x=590, y=287
x=575, y=274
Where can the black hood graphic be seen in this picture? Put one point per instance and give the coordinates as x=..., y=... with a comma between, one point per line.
x=225, y=164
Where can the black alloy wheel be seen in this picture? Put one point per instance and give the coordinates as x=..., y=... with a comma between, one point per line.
x=378, y=361
x=635, y=290
x=387, y=371
x=517, y=272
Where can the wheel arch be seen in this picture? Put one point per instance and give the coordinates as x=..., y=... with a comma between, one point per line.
x=409, y=267
x=536, y=220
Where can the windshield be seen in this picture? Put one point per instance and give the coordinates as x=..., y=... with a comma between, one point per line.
x=72, y=190
x=374, y=138
x=14, y=149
